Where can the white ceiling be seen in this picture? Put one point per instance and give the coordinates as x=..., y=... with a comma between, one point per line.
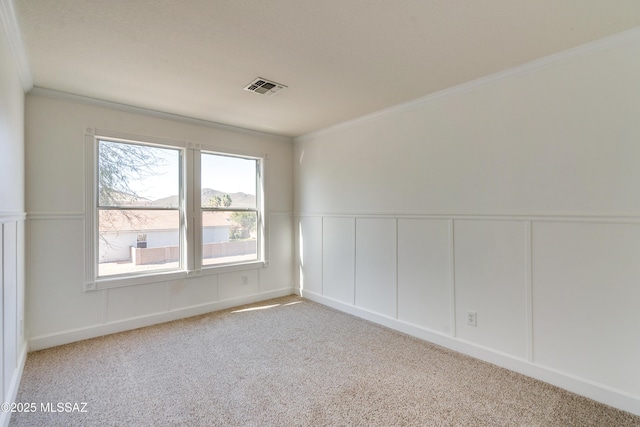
x=340, y=58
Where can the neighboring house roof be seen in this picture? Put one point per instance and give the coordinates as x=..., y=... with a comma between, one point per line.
x=129, y=221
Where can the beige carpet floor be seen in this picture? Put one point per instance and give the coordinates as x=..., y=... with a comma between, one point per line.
x=286, y=362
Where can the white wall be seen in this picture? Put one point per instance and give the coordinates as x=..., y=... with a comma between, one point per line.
x=59, y=310
x=515, y=197
x=12, y=227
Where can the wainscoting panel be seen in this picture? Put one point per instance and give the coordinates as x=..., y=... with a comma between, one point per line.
x=376, y=274
x=310, y=254
x=61, y=310
x=238, y=284
x=10, y=302
x=424, y=273
x=586, y=300
x=13, y=348
x=556, y=297
x=135, y=301
x=338, y=259
x=281, y=254
x=2, y=322
x=56, y=299
x=490, y=273
x=21, y=252
x=193, y=291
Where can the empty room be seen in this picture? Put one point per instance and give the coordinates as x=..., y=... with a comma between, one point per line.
x=320, y=213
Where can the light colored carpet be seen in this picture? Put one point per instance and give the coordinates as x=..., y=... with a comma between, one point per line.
x=291, y=362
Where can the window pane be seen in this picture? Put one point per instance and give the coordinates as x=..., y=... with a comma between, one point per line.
x=228, y=181
x=132, y=241
x=228, y=237
x=137, y=175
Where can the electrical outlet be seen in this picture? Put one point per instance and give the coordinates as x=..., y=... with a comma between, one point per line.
x=472, y=318
x=245, y=280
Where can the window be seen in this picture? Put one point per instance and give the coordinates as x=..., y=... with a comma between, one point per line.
x=229, y=207
x=138, y=189
x=161, y=207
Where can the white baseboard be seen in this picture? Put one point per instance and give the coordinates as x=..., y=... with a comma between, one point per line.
x=66, y=337
x=584, y=387
x=5, y=417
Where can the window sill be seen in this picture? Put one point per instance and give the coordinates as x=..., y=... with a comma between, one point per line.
x=229, y=268
x=141, y=279
x=165, y=276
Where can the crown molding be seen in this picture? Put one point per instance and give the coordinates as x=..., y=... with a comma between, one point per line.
x=620, y=39
x=16, y=43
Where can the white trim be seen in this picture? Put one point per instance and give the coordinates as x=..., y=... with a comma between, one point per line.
x=453, y=328
x=355, y=259
x=54, y=216
x=12, y=392
x=16, y=43
x=262, y=223
x=229, y=268
x=192, y=240
x=596, y=391
x=395, y=266
x=355, y=256
x=54, y=94
x=12, y=216
x=539, y=217
x=110, y=282
x=528, y=288
x=90, y=213
x=396, y=242
x=620, y=39
x=66, y=337
x=322, y=258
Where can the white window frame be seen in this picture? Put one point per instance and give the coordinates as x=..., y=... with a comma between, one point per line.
x=259, y=208
x=190, y=212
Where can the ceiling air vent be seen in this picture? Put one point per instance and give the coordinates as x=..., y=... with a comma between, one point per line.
x=264, y=87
